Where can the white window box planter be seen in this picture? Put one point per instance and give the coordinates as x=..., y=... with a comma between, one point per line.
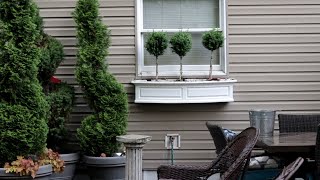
x=190, y=91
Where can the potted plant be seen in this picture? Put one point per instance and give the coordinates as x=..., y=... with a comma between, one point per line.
x=60, y=97
x=181, y=43
x=212, y=40
x=156, y=44
x=197, y=90
x=23, y=108
x=106, y=96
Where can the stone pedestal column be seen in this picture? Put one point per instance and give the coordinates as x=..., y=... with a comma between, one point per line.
x=134, y=145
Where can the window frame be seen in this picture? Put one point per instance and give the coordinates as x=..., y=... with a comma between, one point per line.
x=172, y=71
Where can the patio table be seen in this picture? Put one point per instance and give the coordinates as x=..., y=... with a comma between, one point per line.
x=295, y=142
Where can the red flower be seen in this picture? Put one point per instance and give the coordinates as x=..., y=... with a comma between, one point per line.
x=55, y=80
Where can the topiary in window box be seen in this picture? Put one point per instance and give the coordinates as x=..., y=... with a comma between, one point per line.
x=156, y=45
x=212, y=40
x=181, y=43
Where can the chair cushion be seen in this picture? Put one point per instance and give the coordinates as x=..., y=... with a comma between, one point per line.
x=263, y=162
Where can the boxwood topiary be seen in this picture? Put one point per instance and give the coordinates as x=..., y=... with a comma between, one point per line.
x=212, y=40
x=23, y=108
x=156, y=44
x=181, y=43
x=104, y=94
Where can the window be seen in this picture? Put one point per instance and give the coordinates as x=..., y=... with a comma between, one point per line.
x=194, y=16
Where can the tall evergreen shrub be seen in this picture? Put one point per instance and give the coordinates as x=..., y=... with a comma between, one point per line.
x=104, y=94
x=23, y=108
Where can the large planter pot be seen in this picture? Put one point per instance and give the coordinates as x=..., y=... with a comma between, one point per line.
x=105, y=168
x=43, y=173
x=70, y=162
x=189, y=91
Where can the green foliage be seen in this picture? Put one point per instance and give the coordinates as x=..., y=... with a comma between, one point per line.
x=212, y=40
x=181, y=43
x=51, y=56
x=157, y=43
x=60, y=99
x=22, y=133
x=23, y=107
x=104, y=94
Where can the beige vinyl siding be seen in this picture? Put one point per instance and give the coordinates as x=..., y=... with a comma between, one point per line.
x=274, y=53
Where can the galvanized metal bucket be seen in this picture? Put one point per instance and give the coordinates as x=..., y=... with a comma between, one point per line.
x=263, y=120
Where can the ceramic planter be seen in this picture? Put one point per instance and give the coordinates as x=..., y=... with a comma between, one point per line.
x=43, y=173
x=70, y=161
x=190, y=91
x=105, y=168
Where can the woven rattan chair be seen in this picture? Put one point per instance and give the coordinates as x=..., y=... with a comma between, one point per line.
x=230, y=163
x=219, y=139
x=317, y=155
x=289, y=170
x=298, y=123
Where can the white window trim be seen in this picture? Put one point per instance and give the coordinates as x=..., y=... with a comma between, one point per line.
x=189, y=71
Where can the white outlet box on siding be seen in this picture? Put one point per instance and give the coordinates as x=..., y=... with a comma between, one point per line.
x=190, y=91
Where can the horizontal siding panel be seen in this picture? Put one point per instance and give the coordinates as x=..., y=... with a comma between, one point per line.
x=274, y=39
x=222, y=107
x=104, y=12
x=274, y=29
x=274, y=48
x=277, y=96
x=276, y=77
x=113, y=50
x=115, y=69
x=111, y=59
x=153, y=164
x=115, y=41
x=272, y=2
x=72, y=3
x=125, y=79
x=276, y=86
x=180, y=154
x=281, y=58
x=185, y=145
x=66, y=32
x=275, y=67
x=274, y=19
x=68, y=22
x=265, y=10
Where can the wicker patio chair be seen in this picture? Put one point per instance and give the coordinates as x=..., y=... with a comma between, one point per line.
x=317, y=154
x=219, y=139
x=289, y=170
x=298, y=122
x=230, y=163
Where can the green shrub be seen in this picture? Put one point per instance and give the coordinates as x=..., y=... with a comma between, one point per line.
x=104, y=94
x=212, y=40
x=181, y=43
x=156, y=44
x=23, y=107
x=60, y=99
x=51, y=56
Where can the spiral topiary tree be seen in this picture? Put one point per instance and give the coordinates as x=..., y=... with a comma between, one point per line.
x=156, y=44
x=212, y=40
x=181, y=43
x=23, y=108
x=104, y=94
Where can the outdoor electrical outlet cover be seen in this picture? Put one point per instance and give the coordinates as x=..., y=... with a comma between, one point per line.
x=176, y=141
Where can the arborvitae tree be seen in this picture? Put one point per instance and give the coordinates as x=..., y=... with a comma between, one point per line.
x=156, y=44
x=212, y=40
x=23, y=108
x=104, y=94
x=181, y=43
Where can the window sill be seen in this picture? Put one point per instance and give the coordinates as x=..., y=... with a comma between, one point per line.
x=190, y=91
